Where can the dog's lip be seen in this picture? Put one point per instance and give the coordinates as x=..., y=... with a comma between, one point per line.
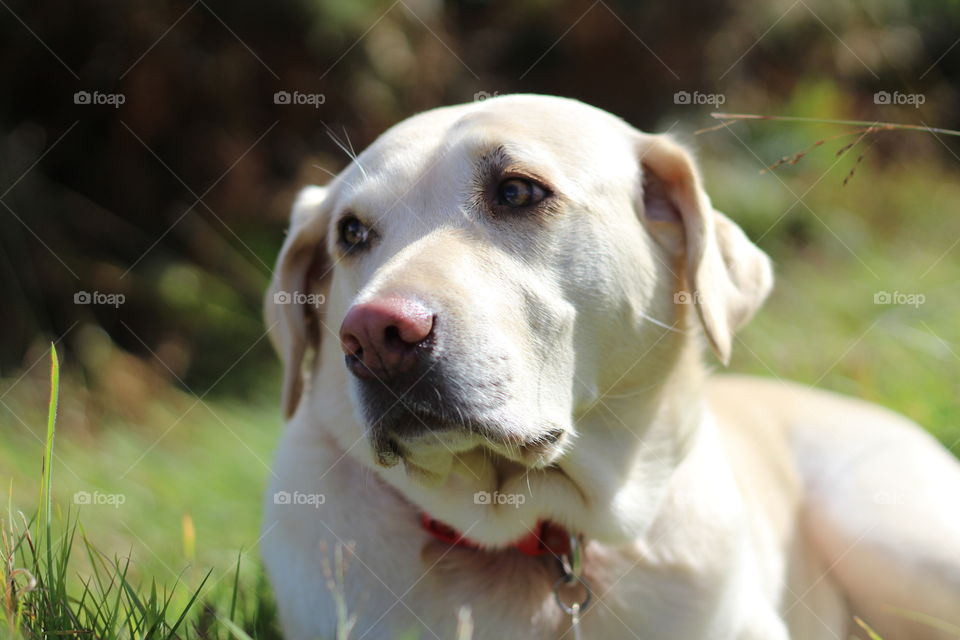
x=391, y=446
x=539, y=451
x=414, y=431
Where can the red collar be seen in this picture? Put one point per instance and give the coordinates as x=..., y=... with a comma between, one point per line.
x=547, y=537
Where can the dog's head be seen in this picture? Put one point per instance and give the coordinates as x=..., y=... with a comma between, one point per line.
x=482, y=275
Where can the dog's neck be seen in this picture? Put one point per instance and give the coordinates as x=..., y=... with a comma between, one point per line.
x=643, y=436
x=659, y=405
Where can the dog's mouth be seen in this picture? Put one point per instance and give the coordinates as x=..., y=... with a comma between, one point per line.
x=433, y=424
x=399, y=433
x=430, y=443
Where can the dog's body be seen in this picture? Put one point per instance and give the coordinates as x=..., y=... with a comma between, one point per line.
x=525, y=256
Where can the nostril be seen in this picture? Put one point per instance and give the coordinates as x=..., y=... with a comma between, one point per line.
x=351, y=345
x=392, y=339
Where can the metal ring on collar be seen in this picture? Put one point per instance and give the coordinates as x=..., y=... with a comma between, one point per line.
x=573, y=608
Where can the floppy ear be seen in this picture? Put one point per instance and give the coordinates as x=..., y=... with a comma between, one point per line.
x=302, y=270
x=728, y=276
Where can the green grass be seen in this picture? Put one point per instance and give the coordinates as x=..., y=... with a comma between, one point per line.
x=200, y=475
x=61, y=583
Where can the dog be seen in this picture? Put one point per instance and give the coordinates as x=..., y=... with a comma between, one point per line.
x=494, y=327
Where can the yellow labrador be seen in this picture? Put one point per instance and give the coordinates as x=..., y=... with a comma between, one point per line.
x=492, y=325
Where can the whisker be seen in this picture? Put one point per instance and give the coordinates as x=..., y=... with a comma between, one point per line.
x=346, y=135
x=660, y=323
x=325, y=170
x=353, y=157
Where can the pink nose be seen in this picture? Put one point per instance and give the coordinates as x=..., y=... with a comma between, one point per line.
x=380, y=337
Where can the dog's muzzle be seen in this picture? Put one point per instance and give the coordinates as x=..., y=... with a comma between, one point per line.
x=402, y=363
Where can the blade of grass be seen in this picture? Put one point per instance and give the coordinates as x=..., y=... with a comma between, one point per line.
x=235, y=630
x=236, y=585
x=193, y=598
x=45, y=515
x=46, y=502
x=870, y=632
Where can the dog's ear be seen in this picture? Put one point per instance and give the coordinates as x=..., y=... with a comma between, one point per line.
x=302, y=273
x=728, y=276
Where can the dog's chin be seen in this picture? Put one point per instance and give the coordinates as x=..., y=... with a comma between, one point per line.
x=429, y=456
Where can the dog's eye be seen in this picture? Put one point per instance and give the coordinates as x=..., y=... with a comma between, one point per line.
x=353, y=233
x=519, y=192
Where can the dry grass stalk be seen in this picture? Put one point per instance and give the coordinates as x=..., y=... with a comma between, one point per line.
x=864, y=128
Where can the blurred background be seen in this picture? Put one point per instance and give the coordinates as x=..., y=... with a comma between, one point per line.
x=150, y=149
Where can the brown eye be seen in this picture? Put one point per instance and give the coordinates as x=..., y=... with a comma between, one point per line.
x=353, y=233
x=519, y=192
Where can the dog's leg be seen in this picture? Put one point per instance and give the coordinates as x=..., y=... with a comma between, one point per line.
x=882, y=498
